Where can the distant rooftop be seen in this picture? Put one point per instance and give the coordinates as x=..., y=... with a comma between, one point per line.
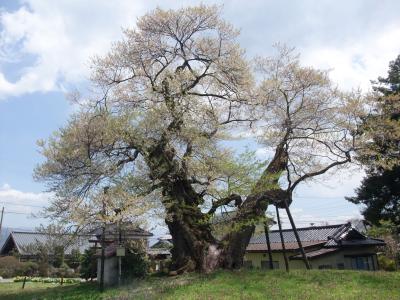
x=307, y=234
x=25, y=239
x=329, y=236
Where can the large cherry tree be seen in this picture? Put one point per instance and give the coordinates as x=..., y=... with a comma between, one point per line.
x=166, y=98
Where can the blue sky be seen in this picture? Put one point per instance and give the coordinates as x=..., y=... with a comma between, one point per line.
x=45, y=47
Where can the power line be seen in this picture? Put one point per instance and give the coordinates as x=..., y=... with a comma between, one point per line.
x=22, y=204
x=320, y=197
x=17, y=213
x=311, y=209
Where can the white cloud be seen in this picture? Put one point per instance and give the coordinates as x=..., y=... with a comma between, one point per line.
x=22, y=202
x=322, y=201
x=55, y=39
x=304, y=218
x=59, y=37
x=354, y=64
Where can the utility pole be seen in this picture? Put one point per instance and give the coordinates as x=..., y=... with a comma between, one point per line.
x=282, y=240
x=103, y=248
x=118, y=211
x=1, y=221
x=119, y=261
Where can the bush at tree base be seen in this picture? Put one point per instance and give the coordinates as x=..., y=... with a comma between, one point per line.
x=134, y=264
x=386, y=263
x=88, y=267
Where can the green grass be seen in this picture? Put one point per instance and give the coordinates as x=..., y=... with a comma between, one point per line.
x=326, y=284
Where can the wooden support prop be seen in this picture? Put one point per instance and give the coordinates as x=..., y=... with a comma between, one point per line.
x=266, y=229
x=296, y=234
x=282, y=240
x=23, y=283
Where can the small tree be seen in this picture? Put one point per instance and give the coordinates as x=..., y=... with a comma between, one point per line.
x=74, y=260
x=88, y=264
x=58, y=256
x=43, y=258
x=134, y=263
x=380, y=189
x=387, y=231
x=51, y=249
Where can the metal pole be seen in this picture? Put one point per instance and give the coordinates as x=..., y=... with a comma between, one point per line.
x=282, y=240
x=266, y=230
x=296, y=234
x=120, y=270
x=103, y=250
x=1, y=221
x=102, y=260
x=119, y=257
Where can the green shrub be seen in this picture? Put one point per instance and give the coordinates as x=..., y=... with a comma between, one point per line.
x=30, y=268
x=58, y=256
x=88, y=268
x=10, y=267
x=134, y=264
x=74, y=260
x=43, y=268
x=386, y=263
x=64, y=271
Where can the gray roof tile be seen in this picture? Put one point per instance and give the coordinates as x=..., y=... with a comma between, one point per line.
x=24, y=240
x=307, y=234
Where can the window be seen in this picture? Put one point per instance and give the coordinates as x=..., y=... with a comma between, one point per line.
x=321, y=267
x=340, y=266
x=365, y=262
x=248, y=264
x=265, y=265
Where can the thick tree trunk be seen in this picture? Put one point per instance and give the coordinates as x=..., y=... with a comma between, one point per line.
x=191, y=236
x=194, y=246
x=253, y=209
x=252, y=212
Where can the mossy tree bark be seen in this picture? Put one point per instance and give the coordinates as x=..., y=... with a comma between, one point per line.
x=194, y=246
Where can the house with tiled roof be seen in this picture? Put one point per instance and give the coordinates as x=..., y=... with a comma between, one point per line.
x=22, y=243
x=159, y=253
x=342, y=246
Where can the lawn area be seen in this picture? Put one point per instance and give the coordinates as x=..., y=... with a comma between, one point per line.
x=255, y=284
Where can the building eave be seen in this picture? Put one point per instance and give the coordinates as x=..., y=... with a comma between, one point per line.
x=11, y=238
